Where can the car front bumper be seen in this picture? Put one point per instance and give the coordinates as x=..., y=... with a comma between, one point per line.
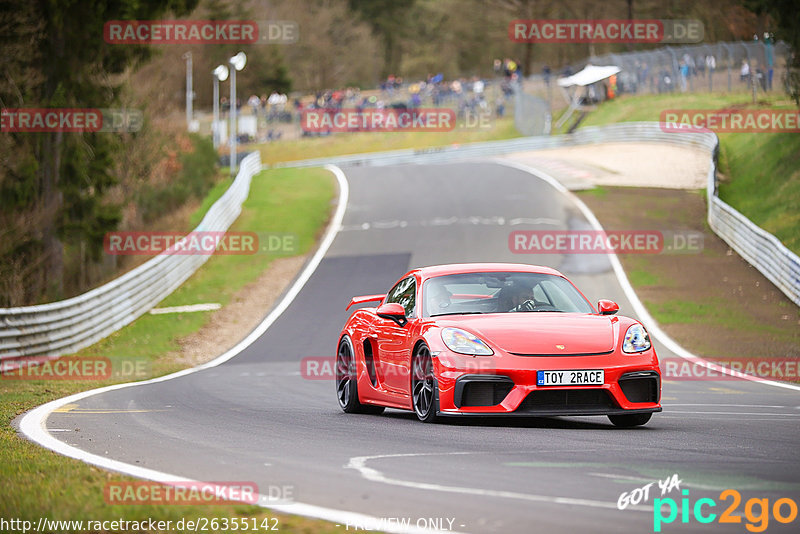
x=507, y=385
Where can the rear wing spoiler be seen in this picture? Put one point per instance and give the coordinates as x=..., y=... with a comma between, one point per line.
x=364, y=298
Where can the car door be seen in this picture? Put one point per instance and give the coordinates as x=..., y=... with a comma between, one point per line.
x=392, y=339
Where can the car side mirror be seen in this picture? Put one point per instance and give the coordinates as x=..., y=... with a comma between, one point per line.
x=393, y=311
x=607, y=307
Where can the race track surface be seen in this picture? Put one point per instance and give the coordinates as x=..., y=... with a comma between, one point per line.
x=255, y=418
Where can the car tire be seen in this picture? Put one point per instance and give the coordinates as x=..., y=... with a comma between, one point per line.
x=424, y=388
x=347, y=381
x=630, y=420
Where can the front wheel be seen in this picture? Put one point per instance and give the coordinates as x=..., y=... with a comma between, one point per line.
x=424, y=391
x=347, y=381
x=630, y=420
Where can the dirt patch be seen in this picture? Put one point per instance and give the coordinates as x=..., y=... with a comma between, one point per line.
x=628, y=164
x=231, y=323
x=712, y=302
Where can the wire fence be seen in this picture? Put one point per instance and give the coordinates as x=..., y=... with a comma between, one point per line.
x=724, y=67
x=702, y=67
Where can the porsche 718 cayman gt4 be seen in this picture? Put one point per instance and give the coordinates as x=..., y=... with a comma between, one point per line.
x=494, y=338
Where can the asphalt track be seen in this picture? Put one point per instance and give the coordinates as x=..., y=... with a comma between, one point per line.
x=255, y=418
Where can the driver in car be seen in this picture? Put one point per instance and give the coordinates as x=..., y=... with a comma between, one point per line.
x=521, y=298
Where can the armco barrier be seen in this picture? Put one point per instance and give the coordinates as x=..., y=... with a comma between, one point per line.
x=758, y=247
x=761, y=249
x=66, y=326
x=634, y=131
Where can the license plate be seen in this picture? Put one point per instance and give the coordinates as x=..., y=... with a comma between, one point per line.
x=575, y=377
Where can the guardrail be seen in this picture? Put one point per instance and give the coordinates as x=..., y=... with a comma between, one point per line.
x=634, y=131
x=69, y=325
x=758, y=247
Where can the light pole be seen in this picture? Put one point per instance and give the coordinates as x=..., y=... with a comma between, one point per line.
x=188, y=57
x=220, y=75
x=237, y=63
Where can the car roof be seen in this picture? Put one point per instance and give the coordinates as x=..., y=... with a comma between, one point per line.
x=459, y=268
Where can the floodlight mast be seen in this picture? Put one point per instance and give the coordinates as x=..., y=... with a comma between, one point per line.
x=237, y=63
x=189, y=92
x=220, y=75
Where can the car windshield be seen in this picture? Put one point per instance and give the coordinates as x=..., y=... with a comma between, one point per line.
x=501, y=292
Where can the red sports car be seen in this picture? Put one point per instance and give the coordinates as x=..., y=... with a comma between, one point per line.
x=495, y=338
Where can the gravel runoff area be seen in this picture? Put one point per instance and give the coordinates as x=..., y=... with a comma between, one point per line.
x=622, y=164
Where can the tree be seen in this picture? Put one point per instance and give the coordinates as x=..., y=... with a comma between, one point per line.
x=58, y=179
x=389, y=20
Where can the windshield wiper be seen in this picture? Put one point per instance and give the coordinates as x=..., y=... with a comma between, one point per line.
x=457, y=313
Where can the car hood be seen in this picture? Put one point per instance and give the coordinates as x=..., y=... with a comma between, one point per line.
x=541, y=333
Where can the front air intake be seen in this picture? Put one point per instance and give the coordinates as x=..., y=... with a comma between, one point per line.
x=484, y=393
x=641, y=386
x=481, y=390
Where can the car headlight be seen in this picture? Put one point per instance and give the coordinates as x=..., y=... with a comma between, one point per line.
x=463, y=342
x=636, y=339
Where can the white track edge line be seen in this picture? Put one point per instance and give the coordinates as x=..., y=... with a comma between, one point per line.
x=359, y=463
x=638, y=307
x=32, y=424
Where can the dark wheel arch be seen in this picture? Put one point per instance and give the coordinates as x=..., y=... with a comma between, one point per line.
x=347, y=380
x=424, y=386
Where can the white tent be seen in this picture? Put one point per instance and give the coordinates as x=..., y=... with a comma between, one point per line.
x=589, y=75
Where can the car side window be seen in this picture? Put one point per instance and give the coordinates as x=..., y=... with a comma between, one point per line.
x=405, y=294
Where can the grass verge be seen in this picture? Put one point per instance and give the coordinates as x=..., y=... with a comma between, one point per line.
x=710, y=301
x=361, y=142
x=39, y=483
